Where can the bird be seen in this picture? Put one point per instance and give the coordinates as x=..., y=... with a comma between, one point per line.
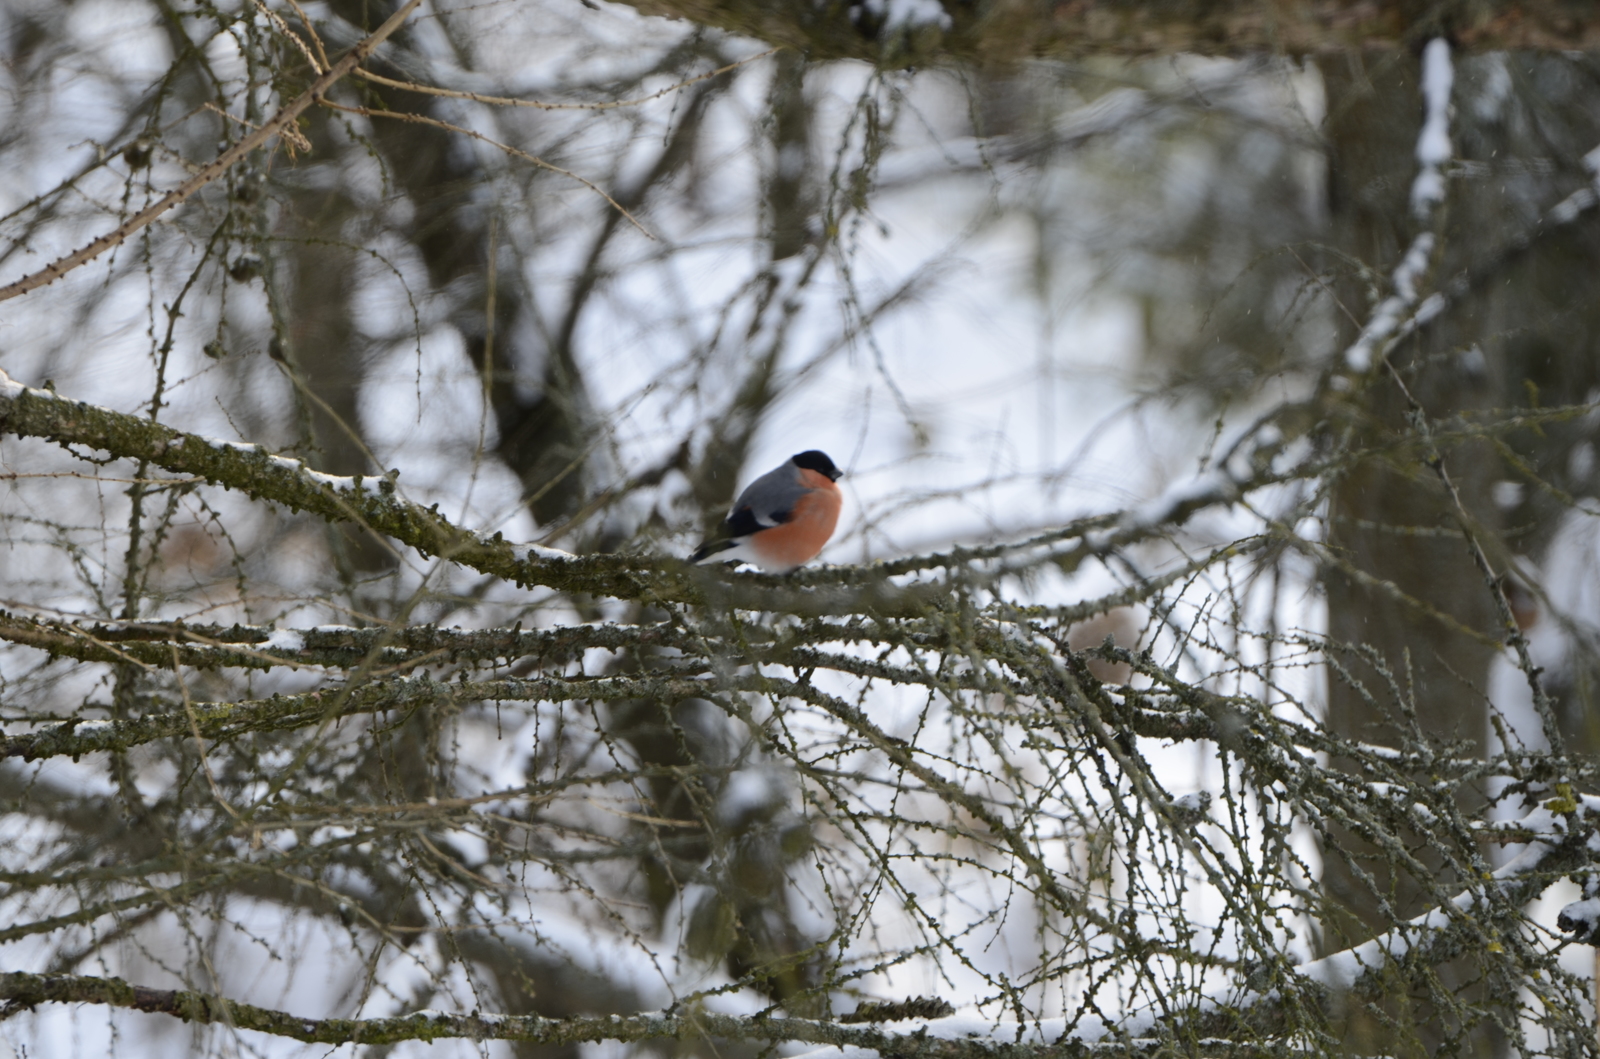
x=782, y=519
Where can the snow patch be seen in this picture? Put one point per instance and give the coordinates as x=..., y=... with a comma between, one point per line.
x=284, y=640
x=909, y=14
x=1433, y=142
x=748, y=793
x=1388, y=316
x=12, y=388
x=1580, y=916
x=1568, y=209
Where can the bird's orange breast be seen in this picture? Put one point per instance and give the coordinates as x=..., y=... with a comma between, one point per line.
x=810, y=524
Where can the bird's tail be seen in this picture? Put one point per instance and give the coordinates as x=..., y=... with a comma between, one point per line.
x=711, y=548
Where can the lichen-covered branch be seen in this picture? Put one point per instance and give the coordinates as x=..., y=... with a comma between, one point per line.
x=284, y=119
x=335, y=646
x=375, y=502
x=31, y=989
x=287, y=712
x=1438, y=936
x=1002, y=31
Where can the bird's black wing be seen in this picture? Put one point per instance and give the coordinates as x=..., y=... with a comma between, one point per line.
x=742, y=521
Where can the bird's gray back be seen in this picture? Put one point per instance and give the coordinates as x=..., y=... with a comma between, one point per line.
x=773, y=494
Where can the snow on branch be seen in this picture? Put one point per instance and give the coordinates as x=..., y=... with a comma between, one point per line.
x=1394, y=317
x=377, y=503
x=1356, y=970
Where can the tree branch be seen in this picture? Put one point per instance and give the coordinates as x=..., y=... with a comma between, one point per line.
x=220, y=165
x=1013, y=30
x=374, y=502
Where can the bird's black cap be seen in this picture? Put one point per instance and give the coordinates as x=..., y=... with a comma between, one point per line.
x=817, y=460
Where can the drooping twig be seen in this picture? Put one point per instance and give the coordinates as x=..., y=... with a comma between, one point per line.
x=274, y=126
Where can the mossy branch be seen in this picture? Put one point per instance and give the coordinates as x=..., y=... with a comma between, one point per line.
x=28, y=990
x=1011, y=31
x=375, y=502
x=1469, y=920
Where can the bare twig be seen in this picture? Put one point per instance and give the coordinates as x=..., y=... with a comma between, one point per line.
x=224, y=162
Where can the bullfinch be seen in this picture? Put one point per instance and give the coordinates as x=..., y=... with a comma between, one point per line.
x=782, y=519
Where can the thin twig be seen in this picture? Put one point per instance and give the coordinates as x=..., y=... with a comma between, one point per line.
x=423, y=119
x=224, y=162
x=509, y=101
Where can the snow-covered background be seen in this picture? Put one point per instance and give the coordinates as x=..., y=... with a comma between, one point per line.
x=1034, y=314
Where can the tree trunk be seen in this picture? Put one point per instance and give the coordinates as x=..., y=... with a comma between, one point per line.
x=1410, y=600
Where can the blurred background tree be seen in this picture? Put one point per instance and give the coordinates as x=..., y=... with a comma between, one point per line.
x=1231, y=419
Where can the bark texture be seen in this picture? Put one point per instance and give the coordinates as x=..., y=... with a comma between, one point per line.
x=1010, y=30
